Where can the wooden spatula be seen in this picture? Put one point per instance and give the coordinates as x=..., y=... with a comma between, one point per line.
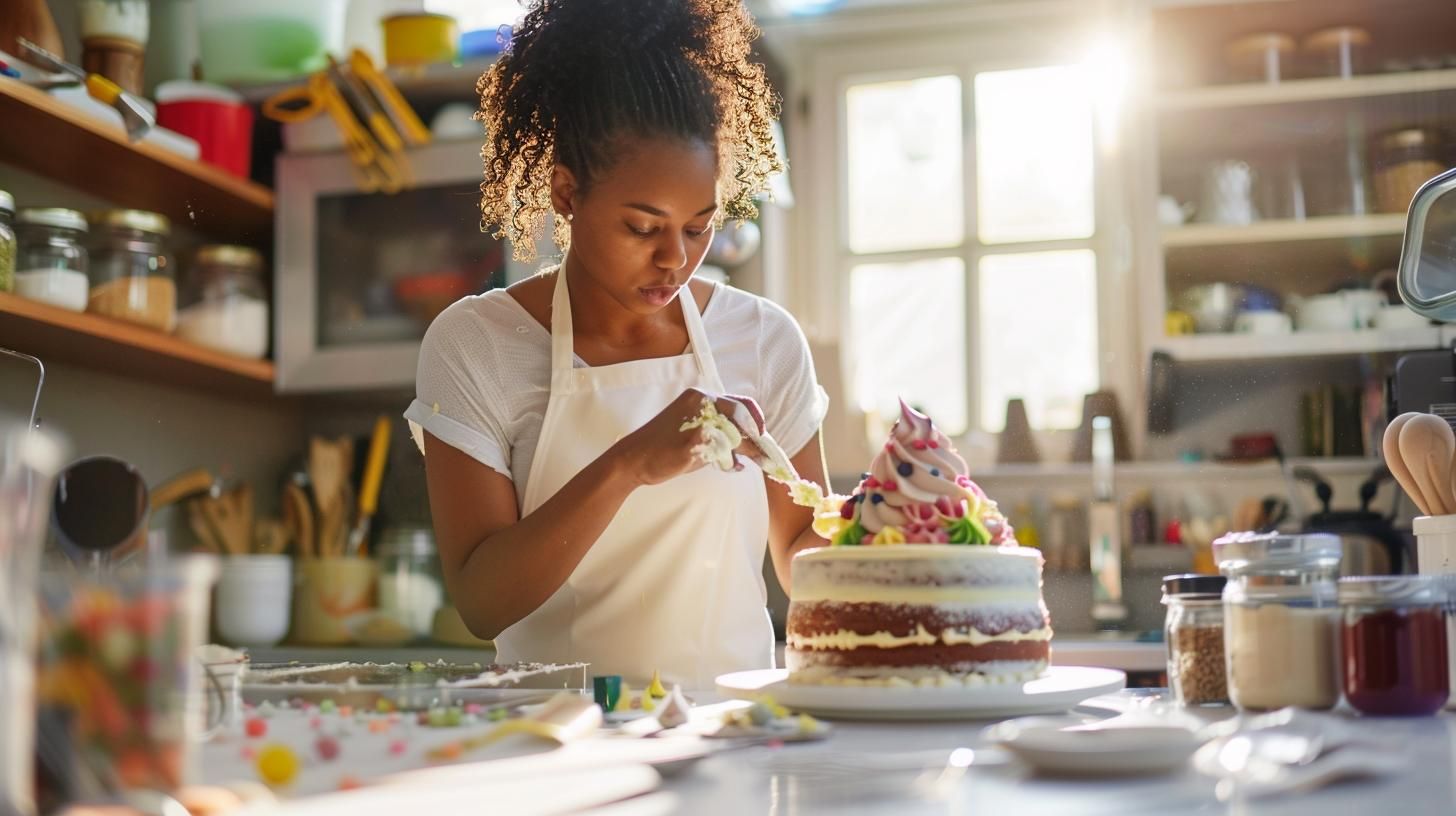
x=1427, y=445
x=1390, y=446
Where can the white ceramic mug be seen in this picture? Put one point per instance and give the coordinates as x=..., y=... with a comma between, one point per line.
x=1263, y=322
x=1325, y=313
x=1364, y=303
x=1398, y=317
x=254, y=599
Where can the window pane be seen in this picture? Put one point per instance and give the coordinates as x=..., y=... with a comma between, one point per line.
x=1033, y=155
x=1037, y=336
x=905, y=146
x=908, y=338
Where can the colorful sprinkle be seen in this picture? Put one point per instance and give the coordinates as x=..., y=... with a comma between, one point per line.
x=256, y=727
x=474, y=708
x=398, y=747
x=277, y=765
x=496, y=714
x=328, y=707
x=450, y=750
x=249, y=753
x=346, y=711
x=315, y=723
x=379, y=726
x=327, y=748
x=347, y=783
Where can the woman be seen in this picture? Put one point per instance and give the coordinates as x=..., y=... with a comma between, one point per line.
x=574, y=520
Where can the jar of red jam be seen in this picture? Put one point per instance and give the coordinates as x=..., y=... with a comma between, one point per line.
x=1393, y=629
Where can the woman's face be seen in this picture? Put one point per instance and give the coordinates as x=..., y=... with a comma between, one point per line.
x=643, y=227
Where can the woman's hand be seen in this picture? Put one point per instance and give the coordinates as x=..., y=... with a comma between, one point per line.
x=661, y=450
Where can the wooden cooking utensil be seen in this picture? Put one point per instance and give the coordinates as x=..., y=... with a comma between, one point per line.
x=197, y=521
x=1390, y=446
x=328, y=469
x=188, y=484
x=298, y=518
x=231, y=515
x=1427, y=446
x=270, y=537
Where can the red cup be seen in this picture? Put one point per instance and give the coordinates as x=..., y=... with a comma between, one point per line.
x=220, y=121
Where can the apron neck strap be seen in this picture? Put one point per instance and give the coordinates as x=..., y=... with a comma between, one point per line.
x=563, y=344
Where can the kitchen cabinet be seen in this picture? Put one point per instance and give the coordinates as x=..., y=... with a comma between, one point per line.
x=358, y=276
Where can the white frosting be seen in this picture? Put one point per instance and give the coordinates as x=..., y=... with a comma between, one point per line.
x=845, y=639
x=1004, y=672
x=821, y=592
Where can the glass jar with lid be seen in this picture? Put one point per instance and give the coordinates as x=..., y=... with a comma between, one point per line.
x=411, y=586
x=1405, y=159
x=50, y=264
x=223, y=304
x=1280, y=619
x=1393, y=633
x=132, y=275
x=8, y=242
x=1193, y=632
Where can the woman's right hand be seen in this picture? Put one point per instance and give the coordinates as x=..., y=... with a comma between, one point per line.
x=661, y=450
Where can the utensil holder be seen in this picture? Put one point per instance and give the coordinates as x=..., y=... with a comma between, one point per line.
x=254, y=598
x=328, y=591
x=1436, y=555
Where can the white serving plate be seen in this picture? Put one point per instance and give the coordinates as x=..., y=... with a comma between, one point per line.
x=1059, y=689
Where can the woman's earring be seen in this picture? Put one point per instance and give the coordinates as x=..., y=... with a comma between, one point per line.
x=568, y=217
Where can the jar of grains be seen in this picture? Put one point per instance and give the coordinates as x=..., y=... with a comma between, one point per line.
x=1280, y=619
x=1193, y=631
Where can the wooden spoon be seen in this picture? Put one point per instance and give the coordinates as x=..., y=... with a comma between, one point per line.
x=298, y=517
x=1427, y=445
x=1391, y=447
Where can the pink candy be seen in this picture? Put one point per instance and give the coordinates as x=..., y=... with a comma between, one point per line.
x=398, y=747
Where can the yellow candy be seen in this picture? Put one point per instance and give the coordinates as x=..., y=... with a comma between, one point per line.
x=624, y=700
x=888, y=536
x=647, y=704
x=277, y=765
x=655, y=689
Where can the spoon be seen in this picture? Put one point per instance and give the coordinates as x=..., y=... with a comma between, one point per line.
x=1427, y=446
x=1391, y=447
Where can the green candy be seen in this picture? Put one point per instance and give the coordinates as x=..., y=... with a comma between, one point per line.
x=850, y=536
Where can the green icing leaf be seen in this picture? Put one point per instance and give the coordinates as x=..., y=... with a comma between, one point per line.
x=967, y=530
x=850, y=536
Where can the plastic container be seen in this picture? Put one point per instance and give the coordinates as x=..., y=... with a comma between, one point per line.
x=217, y=118
x=1262, y=57
x=223, y=305
x=1193, y=632
x=51, y=260
x=267, y=40
x=131, y=270
x=420, y=39
x=411, y=586
x=1393, y=635
x=8, y=242
x=1405, y=159
x=1280, y=619
x=1337, y=52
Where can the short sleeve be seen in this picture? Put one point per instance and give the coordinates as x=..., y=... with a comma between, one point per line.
x=456, y=397
x=793, y=402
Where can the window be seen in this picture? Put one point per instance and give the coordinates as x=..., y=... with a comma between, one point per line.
x=969, y=240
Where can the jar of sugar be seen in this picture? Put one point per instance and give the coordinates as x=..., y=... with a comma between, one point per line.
x=51, y=261
x=411, y=586
x=1281, y=619
x=223, y=305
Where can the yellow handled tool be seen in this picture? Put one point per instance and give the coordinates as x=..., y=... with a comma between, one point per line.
x=369, y=489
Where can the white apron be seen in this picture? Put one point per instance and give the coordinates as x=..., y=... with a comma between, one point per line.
x=675, y=582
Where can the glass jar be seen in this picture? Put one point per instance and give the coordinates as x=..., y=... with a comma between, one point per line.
x=132, y=275
x=50, y=264
x=411, y=586
x=1193, y=631
x=1259, y=57
x=1393, y=631
x=1337, y=52
x=223, y=305
x=8, y=242
x=1405, y=160
x=1280, y=619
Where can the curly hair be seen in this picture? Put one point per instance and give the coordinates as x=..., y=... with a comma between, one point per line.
x=580, y=75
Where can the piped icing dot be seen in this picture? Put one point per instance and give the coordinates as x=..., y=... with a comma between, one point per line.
x=871, y=483
x=876, y=498
x=905, y=469
x=918, y=444
x=935, y=472
x=890, y=485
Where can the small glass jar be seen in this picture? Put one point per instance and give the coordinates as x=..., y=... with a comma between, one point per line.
x=132, y=274
x=1262, y=57
x=8, y=242
x=1405, y=160
x=1280, y=619
x=1193, y=631
x=51, y=260
x=1393, y=631
x=1337, y=52
x=223, y=305
x=411, y=586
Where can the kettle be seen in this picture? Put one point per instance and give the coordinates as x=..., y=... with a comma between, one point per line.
x=1371, y=545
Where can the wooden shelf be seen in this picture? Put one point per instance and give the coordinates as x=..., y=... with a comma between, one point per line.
x=57, y=335
x=1280, y=231
x=48, y=137
x=1234, y=347
x=1305, y=90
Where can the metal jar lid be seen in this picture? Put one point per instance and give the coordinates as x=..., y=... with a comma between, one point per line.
x=1241, y=552
x=1410, y=137
x=1193, y=586
x=58, y=217
x=229, y=255
x=7, y=202
x=139, y=220
x=1394, y=590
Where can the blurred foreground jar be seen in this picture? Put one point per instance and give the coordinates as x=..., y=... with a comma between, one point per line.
x=223, y=305
x=1393, y=631
x=132, y=274
x=1280, y=619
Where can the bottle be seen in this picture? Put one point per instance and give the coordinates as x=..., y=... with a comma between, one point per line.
x=1105, y=533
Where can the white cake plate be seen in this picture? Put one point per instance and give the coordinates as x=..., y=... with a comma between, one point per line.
x=1061, y=688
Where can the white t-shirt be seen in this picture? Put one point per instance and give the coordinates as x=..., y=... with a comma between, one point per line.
x=484, y=375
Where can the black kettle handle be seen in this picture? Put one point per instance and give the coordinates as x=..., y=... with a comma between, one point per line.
x=1322, y=488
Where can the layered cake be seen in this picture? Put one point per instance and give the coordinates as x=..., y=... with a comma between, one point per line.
x=923, y=584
